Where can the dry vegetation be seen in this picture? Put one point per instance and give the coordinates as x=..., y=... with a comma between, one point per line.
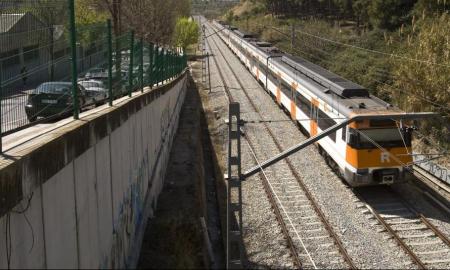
x=407, y=65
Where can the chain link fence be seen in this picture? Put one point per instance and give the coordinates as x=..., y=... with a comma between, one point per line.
x=51, y=66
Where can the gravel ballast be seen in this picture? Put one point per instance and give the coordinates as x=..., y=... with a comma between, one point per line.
x=361, y=235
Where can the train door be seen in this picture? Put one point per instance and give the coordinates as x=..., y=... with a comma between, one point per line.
x=293, y=107
x=279, y=88
x=314, y=116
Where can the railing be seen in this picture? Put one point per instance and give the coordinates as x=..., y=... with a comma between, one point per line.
x=52, y=65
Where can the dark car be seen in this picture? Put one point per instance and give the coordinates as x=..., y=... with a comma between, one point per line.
x=52, y=99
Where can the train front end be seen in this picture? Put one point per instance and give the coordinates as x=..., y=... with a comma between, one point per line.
x=378, y=152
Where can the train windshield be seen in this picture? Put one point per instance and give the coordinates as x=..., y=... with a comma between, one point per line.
x=385, y=137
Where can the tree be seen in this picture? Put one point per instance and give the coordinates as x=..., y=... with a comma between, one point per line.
x=87, y=21
x=152, y=20
x=360, y=11
x=389, y=14
x=229, y=16
x=426, y=86
x=186, y=33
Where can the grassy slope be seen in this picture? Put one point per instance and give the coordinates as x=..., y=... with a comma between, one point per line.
x=373, y=71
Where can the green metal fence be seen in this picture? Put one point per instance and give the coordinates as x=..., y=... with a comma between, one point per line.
x=51, y=66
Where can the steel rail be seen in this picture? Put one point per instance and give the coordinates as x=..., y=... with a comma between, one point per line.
x=440, y=234
x=315, y=205
x=425, y=220
x=402, y=243
x=269, y=194
x=419, y=216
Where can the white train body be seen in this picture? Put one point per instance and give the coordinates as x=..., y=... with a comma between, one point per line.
x=318, y=99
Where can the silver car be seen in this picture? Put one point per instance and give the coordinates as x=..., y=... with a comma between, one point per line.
x=96, y=90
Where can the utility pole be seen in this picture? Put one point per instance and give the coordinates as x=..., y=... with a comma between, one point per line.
x=209, y=73
x=234, y=249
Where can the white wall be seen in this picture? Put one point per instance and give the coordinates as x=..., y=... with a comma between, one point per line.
x=92, y=213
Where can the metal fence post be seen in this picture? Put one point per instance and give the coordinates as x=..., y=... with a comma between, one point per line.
x=170, y=74
x=163, y=65
x=110, y=64
x=178, y=60
x=160, y=65
x=1, y=115
x=169, y=66
x=235, y=250
x=73, y=43
x=172, y=58
x=141, y=65
x=150, y=67
x=130, y=71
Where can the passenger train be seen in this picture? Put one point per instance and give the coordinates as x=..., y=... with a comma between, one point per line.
x=367, y=152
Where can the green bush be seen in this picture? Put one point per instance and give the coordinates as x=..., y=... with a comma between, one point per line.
x=186, y=32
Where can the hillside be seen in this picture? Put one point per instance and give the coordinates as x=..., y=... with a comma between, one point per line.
x=400, y=52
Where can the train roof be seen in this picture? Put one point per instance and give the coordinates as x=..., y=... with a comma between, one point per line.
x=346, y=106
x=267, y=47
x=243, y=34
x=340, y=86
x=263, y=44
x=346, y=96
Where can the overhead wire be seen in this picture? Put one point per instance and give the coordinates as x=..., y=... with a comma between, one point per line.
x=447, y=108
x=372, y=51
x=421, y=97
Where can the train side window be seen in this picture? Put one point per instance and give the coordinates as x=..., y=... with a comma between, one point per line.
x=353, y=138
x=272, y=78
x=304, y=104
x=325, y=122
x=286, y=89
x=344, y=134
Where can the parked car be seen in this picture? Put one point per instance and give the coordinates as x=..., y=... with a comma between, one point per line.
x=53, y=98
x=97, y=74
x=96, y=90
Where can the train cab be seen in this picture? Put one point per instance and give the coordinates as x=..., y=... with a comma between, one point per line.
x=377, y=152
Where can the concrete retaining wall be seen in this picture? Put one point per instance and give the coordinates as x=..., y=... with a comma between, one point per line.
x=82, y=199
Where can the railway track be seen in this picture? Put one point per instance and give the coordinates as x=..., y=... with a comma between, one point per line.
x=414, y=233
x=310, y=237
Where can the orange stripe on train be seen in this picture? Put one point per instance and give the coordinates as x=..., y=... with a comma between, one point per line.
x=313, y=124
x=278, y=95
x=366, y=158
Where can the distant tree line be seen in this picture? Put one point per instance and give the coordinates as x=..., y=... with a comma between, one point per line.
x=384, y=14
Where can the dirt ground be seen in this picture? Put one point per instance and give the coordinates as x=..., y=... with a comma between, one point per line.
x=175, y=237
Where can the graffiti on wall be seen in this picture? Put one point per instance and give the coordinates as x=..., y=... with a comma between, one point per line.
x=433, y=168
x=130, y=214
